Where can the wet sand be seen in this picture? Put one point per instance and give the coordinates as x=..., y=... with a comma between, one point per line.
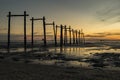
x=24, y=71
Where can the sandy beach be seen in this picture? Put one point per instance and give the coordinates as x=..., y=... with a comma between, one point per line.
x=24, y=71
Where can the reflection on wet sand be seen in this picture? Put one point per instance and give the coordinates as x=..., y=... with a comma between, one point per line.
x=66, y=56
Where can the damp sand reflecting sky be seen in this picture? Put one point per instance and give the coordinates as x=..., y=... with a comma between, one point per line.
x=72, y=56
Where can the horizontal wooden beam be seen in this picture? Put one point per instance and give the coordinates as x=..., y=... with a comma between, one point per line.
x=37, y=19
x=17, y=15
x=49, y=24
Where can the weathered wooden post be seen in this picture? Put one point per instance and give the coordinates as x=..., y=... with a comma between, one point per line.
x=76, y=37
x=53, y=30
x=65, y=35
x=79, y=36
x=25, y=36
x=32, y=38
x=55, y=33
x=9, y=21
x=70, y=33
x=32, y=35
x=61, y=35
x=44, y=30
x=73, y=36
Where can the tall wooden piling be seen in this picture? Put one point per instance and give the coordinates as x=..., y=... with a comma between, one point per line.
x=65, y=35
x=32, y=35
x=25, y=36
x=79, y=36
x=55, y=33
x=76, y=37
x=61, y=36
x=9, y=21
x=73, y=36
x=70, y=34
x=44, y=31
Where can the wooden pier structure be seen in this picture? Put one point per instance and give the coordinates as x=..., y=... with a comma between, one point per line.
x=67, y=35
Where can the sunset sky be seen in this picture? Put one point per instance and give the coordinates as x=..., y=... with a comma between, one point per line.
x=99, y=19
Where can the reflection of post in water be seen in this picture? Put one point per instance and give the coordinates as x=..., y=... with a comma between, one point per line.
x=73, y=49
x=76, y=49
x=65, y=49
x=55, y=50
x=61, y=50
x=9, y=23
x=70, y=51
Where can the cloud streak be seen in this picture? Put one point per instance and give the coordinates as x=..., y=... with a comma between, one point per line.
x=102, y=35
x=110, y=13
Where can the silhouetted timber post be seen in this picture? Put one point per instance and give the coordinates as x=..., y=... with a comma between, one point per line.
x=9, y=21
x=76, y=37
x=70, y=33
x=61, y=36
x=44, y=28
x=32, y=34
x=25, y=38
x=79, y=36
x=65, y=35
x=55, y=33
x=73, y=36
x=53, y=30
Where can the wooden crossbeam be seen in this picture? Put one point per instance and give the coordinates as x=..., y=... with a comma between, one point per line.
x=9, y=29
x=36, y=19
x=49, y=24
